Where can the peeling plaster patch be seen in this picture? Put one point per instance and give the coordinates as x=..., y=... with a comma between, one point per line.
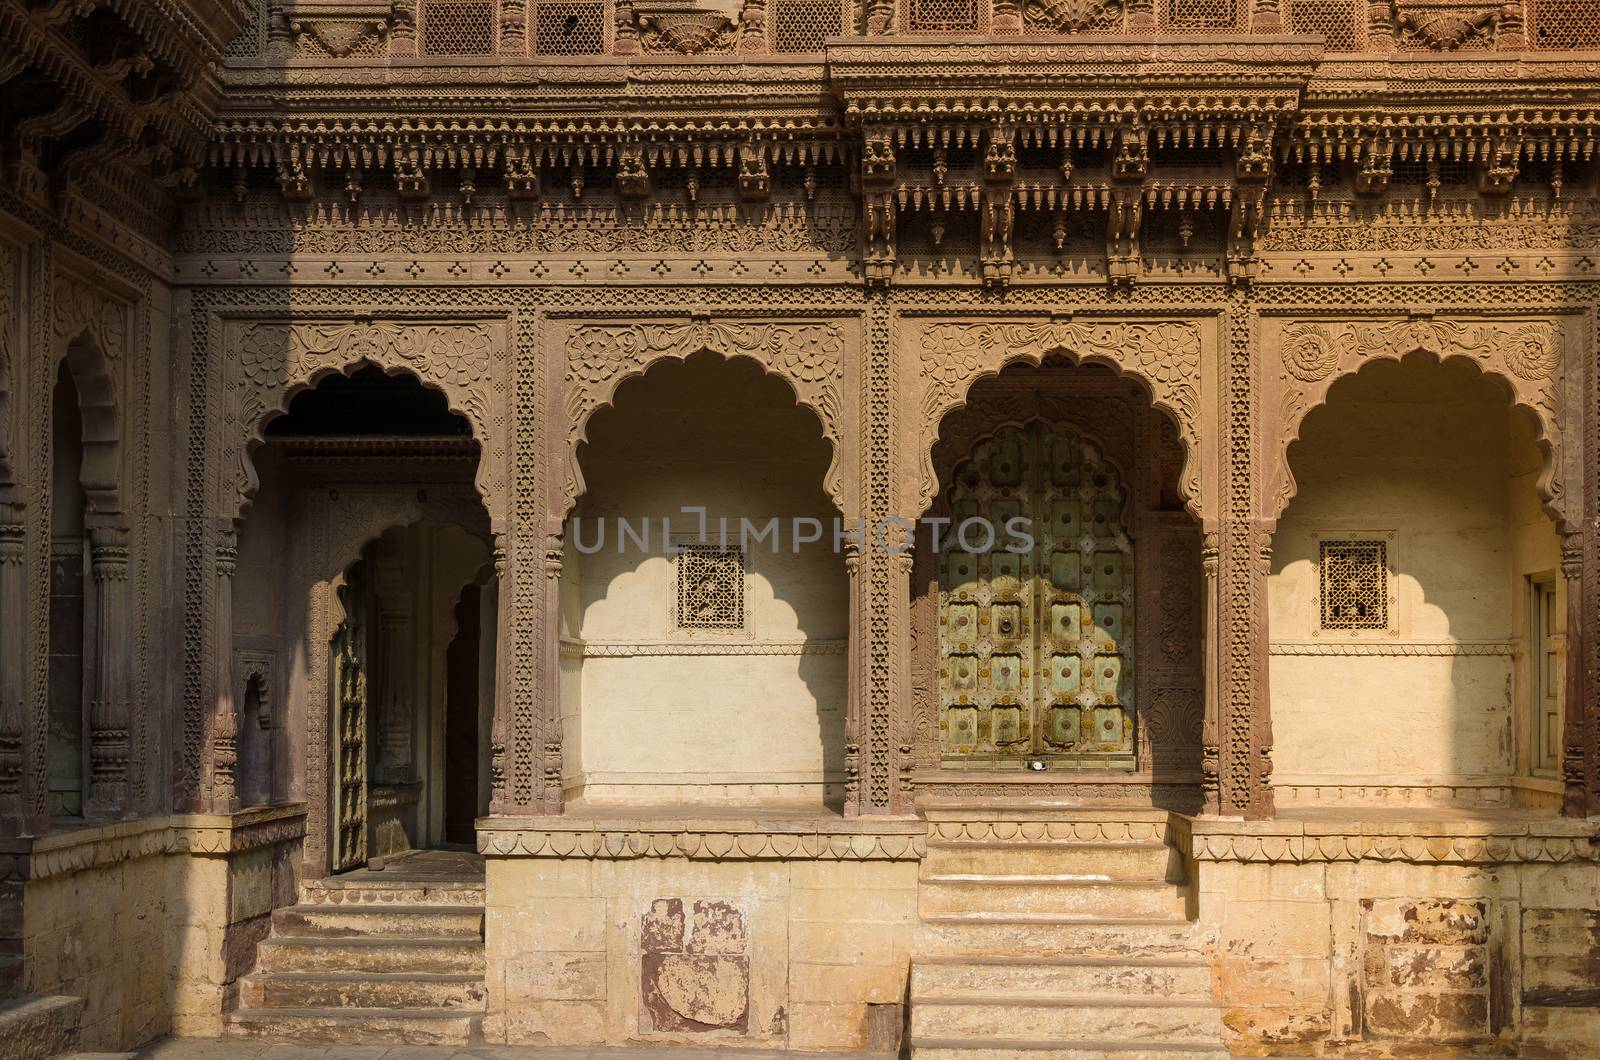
x=694, y=976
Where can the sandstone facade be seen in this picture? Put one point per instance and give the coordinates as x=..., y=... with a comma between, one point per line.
x=332, y=333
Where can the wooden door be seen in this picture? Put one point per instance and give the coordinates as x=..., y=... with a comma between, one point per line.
x=350, y=745
x=1036, y=636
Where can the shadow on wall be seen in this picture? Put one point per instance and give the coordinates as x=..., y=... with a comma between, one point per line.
x=1402, y=575
x=717, y=676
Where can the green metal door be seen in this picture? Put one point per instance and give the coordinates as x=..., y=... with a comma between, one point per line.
x=1035, y=643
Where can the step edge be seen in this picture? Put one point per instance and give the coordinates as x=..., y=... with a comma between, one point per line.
x=291, y=976
x=1019, y=879
x=1059, y=962
x=1100, y=1045
x=1052, y=919
x=349, y=1014
x=1063, y=1001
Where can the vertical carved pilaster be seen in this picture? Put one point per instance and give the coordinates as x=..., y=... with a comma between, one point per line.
x=13, y=669
x=625, y=35
x=222, y=747
x=108, y=704
x=500, y=721
x=513, y=27
x=1580, y=735
x=1005, y=18
x=856, y=667
x=403, y=28
x=753, y=27
x=1380, y=26
x=1264, y=17
x=551, y=799
x=885, y=597
x=1244, y=736
x=1211, y=727
x=878, y=17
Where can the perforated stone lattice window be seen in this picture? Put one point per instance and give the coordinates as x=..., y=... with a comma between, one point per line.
x=1337, y=20
x=456, y=27
x=944, y=16
x=569, y=28
x=1200, y=14
x=710, y=587
x=1355, y=584
x=802, y=25
x=1558, y=24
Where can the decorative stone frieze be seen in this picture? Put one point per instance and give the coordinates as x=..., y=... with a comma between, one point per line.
x=713, y=839
x=1464, y=842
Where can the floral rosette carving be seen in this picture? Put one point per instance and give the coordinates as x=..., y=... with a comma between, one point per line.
x=1309, y=353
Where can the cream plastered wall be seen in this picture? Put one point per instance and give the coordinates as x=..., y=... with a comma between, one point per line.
x=662, y=715
x=779, y=953
x=1423, y=456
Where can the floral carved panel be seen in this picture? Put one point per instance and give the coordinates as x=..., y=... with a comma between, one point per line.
x=1166, y=355
x=271, y=361
x=1527, y=356
x=83, y=310
x=809, y=356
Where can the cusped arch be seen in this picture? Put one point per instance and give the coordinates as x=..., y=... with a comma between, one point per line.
x=994, y=426
x=807, y=358
x=94, y=376
x=278, y=361
x=1523, y=360
x=1162, y=358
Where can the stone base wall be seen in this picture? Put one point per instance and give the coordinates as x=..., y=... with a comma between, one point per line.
x=1417, y=948
x=777, y=953
x=149, y=922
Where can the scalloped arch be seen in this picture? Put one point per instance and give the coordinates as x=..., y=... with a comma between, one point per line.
x=807, y=358
x=1526, y=389
x=93, y=375
x=1165, y=363
x=280, y=360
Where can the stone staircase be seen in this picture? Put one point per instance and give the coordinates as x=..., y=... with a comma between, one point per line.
x=400, y=963
x=1057, y=934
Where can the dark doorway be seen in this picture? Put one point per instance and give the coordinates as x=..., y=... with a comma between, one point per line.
x=461, y=723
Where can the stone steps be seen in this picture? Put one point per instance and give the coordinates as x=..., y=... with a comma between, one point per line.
x=986, y=1049
x=372, y=953
x=1173, y=978
x=354, y=1026
x=387, y=964
x=345, y=921
x=980, y=934
x=1031, y=1017
x=1060, y=933
x=368, y=990
x=1061, y=895
x=1150, y=859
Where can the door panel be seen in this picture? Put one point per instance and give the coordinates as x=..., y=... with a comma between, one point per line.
x=349, y=789
x=1035, y=646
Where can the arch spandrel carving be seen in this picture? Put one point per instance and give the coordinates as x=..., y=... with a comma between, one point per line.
x=270, y=362
x=1526, y=356
x=809, y=356
x=1167, y=356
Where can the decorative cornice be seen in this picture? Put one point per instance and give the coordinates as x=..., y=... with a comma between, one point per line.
x=1392, y=648
x=710, y=839
x=204, y=835
x=1470, y=841
x=628, y=650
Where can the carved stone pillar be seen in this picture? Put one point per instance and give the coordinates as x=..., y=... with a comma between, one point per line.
x=108, y=704
x=1580, y=737
x=551, y=798
x=1237, y=640
x=854, y=692
x=13, y=667
x=1211, y=726
x=222, y=747
x=1006, y=18
x=1265, y=18
x=500, y=720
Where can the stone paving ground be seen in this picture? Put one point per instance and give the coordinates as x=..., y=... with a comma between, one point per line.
x=231, y=1049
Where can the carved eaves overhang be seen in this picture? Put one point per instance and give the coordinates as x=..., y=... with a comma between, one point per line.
x=1491, y=113
x=90, y=82
x=1112, y=149
x=1103, y=129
